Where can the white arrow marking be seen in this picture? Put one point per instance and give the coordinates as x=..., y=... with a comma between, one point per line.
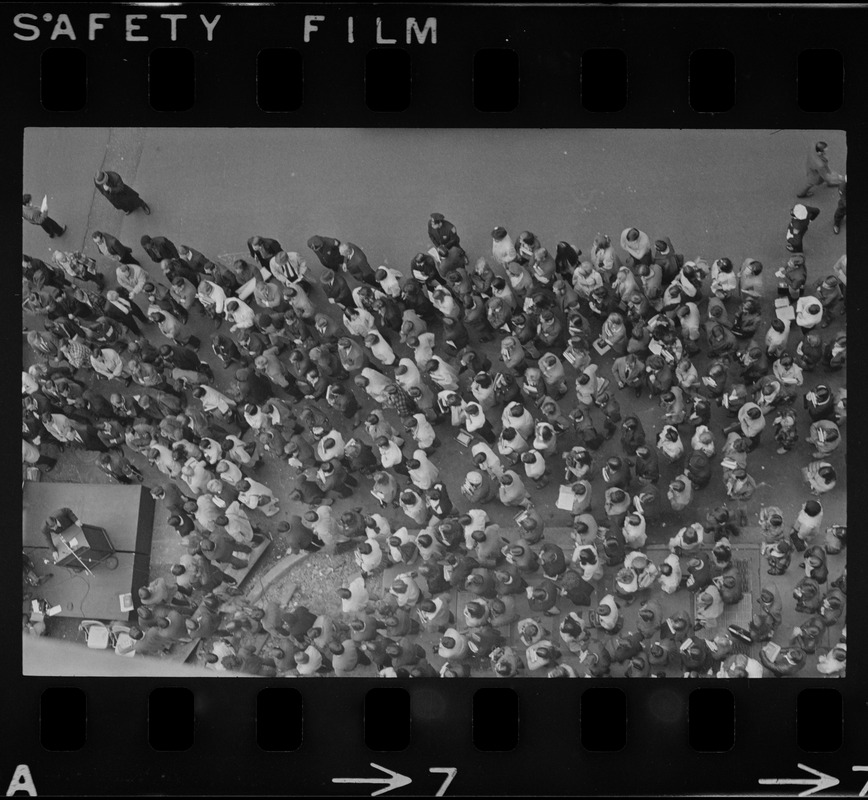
x=450, y=773
x=822, y=781
x=395, y=780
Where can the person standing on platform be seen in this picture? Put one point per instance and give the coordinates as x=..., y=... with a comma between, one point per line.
x=57, y=523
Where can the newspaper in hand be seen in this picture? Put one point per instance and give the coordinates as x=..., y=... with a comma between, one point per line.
x=43, y=207
x=602, y=346
x=566, y=497
x=786, y=313
x=772, y=650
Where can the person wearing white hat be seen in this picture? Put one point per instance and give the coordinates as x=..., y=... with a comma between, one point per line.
x=478, y=488
x=800, y=218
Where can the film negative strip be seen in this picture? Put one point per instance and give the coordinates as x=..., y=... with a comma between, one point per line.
x=384, y=343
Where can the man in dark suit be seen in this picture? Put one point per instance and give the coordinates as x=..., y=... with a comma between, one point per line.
x=196, y=260
x=113, y=248
x=158, y=248
x=356, y=263
x=223, y=549
x=327, y=251
x=336, y=289
x=263, y=249
x=122, y=309
x=442, y=232
x=173, y=498
x=124, y=198
x=57, y=523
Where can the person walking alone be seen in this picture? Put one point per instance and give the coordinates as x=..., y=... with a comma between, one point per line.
x=124, y=198
x=818, y=170
x=36, y=216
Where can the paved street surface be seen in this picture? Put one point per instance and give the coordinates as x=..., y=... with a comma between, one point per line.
x=718, y=194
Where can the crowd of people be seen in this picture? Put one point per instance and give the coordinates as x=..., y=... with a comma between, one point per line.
x=352, y=376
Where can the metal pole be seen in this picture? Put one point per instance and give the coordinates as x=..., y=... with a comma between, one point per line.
x=76, y=554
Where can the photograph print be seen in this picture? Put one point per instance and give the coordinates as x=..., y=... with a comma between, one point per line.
x=449, y=403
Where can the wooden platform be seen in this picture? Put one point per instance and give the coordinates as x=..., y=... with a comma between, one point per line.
x=90, y=596
x=126, y=512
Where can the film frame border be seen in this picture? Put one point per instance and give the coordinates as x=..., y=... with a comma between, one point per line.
x=766, y=38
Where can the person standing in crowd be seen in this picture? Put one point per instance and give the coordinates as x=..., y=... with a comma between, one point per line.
x=159, y=248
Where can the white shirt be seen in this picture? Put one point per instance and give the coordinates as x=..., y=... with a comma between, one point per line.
x=670, y=583
x=214, y=400
x=391, y=284
x=423, y=433
x=804, y=319
x=108, y=364
x=503, y=250
x=478, y=522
